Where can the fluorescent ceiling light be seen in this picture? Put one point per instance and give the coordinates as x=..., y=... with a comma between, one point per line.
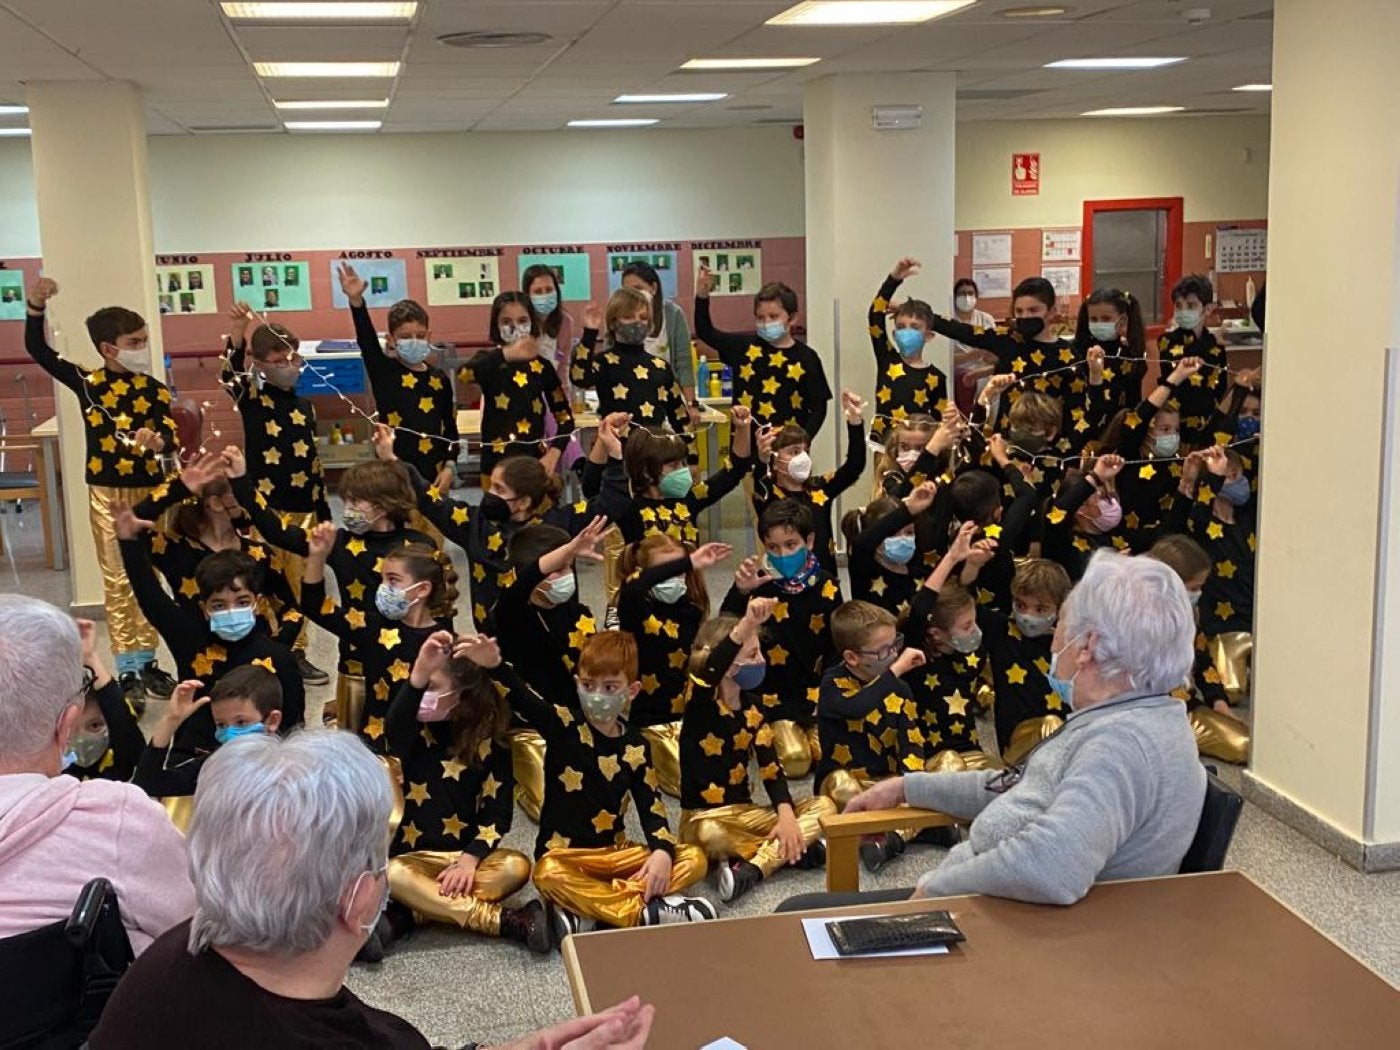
x=1254, y=87
x=697, y=96
x=14, y=132
x=317, y=103
x=748, y=63
x=332, y=125
x=1133, y=111
x=1034, y=12
x=326, y=69
x=13, y=111
x=350, y=12
x=865, y=12
x=628, y=122
x=1113, y=63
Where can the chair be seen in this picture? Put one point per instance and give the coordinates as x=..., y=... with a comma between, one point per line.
x=1220, y=812
x=55, y=981
x=845, y=830
x=30, y=484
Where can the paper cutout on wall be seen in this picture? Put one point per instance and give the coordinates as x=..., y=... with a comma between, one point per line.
x=1238, y=251
x=386, y=281
x=11, y=295
x=993, y=282
x=1064, y=279
x=575, y=282
x=453, y=281
x=664, y=263
x=733, y=271
x=273, y=286
x=991, y=249
x=187, y=290
x=1060, y=245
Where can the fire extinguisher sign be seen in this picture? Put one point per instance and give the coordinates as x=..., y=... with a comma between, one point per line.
x=1025, y=174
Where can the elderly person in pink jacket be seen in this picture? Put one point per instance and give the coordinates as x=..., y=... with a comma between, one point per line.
x=57, y=833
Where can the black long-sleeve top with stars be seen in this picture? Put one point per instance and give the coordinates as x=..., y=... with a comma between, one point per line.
x=487, y=542
x=1227, y=599
x=718, y=742
x=896, y=482
x=587, y=777
x=178, y=556
x=418, y=399
x=113, y=403
x=1019, y=665
x=542, y=642
x=818, y=493
x=628, y=379
x=1205, y=687
x=450, y=802
x=1061, y=543
x=948, y=688
x=868, y=727
x=514, y=398
x=1146, y=490
x=386, y=648
x=279, y=440
x=675, y=517
x=872, y=580
x=779, y=386
x=170, y=771
x=357, y=561
x=1021, y=502
x=901, y=389
x=1197, y=397
x=665, y=634
x=124, y=738
x=200, y=653
x=796, y=643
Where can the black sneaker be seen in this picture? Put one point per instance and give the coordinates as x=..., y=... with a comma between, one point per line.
x=666, y=911
x=133, y=691
x=815, y=857
x=527, y=926
x=875, y=855
x=562, y=923
x=310, y=673
x=736, y=878
x=156, y=682
x=946, y=836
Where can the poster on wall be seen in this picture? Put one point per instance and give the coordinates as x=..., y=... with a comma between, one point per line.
x=736, y=267
x=991, y=249
x=11, y=295
x=386, y=280
x=992, y=282
x=462, y=280
x=1060, y=245
x=1025, y=174
x=1238, y=251
x=570, y=265
x=186, y=289
x=664, y=263
x=281, y=285
x=1064, y=279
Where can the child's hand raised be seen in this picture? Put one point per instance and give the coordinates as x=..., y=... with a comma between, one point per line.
x=240, y=316
x=751, y=574
x=741, y=416
x=585, y=544
x=126, y=524
x=1095, y=359
x=593, y=316
x=608, y=436
x=1000, y=449
x=234, y=463
x=760, y=609
x=852, y=405
x=201, y=471
x=352, y=284
x=996, y=386
x=148, y=440
x=1108, y=467
x=479, y=649
x=44, y=289
x=704, y=280
x=710, y=554
x=921, y=497
x=1188, y=367
x=907, y=661
x=182, y=702
x=433, y=655
x=320, y=539
x=962, y=542
x=383, y=440
x=765, y=444
x=1216, y=461
x=906, y=267
x=981, y=553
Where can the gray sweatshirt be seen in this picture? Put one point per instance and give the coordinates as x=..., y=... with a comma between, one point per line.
x=1116, y=794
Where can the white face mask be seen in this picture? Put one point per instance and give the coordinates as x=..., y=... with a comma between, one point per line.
x=134, y=360
x=799, y=468
x=965, y=303
x=906, y=458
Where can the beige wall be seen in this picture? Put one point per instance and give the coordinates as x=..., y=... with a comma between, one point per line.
x=1199, y=158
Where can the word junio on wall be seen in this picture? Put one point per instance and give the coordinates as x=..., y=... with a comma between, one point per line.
x=171, y=260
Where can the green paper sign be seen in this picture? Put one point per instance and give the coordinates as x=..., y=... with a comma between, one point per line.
x=11, y=295
x=273, y=286
x=572, y=268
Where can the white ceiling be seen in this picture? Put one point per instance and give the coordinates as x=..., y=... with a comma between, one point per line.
x=196, y=67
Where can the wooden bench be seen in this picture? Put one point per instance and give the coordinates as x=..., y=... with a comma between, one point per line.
x=845, y=830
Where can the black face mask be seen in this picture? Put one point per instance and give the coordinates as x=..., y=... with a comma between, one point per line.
x=1030, y=327
x=494, y=508
x=1028, y=440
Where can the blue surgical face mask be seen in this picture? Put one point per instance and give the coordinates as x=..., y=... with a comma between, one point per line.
x=1164, y=445
x=561, y=589
x=1236, y=492
x=749, y=676
x=910, y=341
x=789, y=565
x=413, y=351
x=546, y=303
x=898, y=549
x=1035, y=626
x=1063, y=687
x=1104, y=331
x=1186, y=317
x=233, y=624
x=771, y=331
x=675, y=484
x=392, y=603
x=1247, y=427
x=670, y=591
x=226, y=733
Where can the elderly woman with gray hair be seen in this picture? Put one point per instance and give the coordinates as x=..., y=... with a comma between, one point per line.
x=1114, y=794
x=289, y=858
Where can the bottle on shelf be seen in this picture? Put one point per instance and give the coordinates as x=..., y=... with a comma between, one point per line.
x=702, y=377
x=726, y=383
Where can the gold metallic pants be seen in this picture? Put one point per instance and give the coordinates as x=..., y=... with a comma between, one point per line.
x=1218, y=735
x=797, y=747
x=527, y=760
x=949, y=761
x=1231, y=652
x=613, y=544
x=602, y=883
x=1027, y=734
x=413, y=882
x=130, y=633
x=665, y=745
x=742, y=830
x=180, y=809
x=350, y=701
x=293, y=565
x=842, y=785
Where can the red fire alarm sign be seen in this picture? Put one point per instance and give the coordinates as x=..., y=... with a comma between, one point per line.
x=1025, y=174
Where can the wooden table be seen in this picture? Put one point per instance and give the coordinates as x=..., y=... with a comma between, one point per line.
x=46, y=433
x=1175, y=962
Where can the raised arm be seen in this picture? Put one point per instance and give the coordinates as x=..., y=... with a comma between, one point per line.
x=730, y=346
x=878, y=315
x=264, y=519
x=159, y=608
x=731, y=473
x=36, y=344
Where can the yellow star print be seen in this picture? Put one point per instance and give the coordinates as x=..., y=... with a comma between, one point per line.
x=1016, y=674
x=571, y=778
x=355, y=547
x=714, y=794
x=388, y=637
x=634, y=755
x=841, y=755
x=957, y=703
x=452, y=769
x=489, y=834
x=453, y=825
x=604, y=821
x=608, y=766
x=712, y=745
x=417, y=793
x=410, y=834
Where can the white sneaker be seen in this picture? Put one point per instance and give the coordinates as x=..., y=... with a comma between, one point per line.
x=566, y=923
x=664, y=911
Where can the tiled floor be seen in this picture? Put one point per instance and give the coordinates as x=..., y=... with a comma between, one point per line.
x=457, y=987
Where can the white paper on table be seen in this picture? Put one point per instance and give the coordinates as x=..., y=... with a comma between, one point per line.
x=819, y=940
x=724, y=1043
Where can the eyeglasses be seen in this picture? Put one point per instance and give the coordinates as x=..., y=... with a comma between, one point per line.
x=1009, y=777
x=888, y=650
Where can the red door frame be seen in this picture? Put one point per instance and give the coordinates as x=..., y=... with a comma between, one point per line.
x=1174, y=208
